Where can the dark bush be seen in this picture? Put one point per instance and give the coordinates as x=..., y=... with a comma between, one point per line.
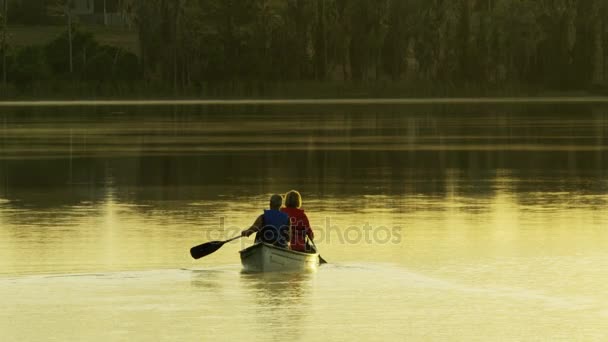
x=29, y=66
x=99, y=66
x=127, y=67
x=58, y=53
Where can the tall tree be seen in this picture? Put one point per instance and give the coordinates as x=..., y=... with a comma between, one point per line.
x=599, y=30
x=321, y=39
x=4, y=41
x=65, y=8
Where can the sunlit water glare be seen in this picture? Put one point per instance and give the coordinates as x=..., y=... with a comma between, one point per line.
x=460, y=223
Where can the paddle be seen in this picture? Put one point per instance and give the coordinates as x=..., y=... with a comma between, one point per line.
x=321, y=260
x=205, y=249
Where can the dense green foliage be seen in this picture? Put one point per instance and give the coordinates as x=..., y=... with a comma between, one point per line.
x=92, y=62
x=557, y=44
x=554, y=43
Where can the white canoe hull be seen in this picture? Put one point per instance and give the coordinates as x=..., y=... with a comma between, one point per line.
x=263, y=257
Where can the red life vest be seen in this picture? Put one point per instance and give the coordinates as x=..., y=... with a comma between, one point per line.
x=300, y=228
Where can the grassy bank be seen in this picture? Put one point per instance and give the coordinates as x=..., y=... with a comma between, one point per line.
x=22, y=36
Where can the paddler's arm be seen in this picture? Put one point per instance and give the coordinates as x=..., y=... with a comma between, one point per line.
x=309, y=232
x=257, y=225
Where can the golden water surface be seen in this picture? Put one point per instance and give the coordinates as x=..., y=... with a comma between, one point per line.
x=440, y=223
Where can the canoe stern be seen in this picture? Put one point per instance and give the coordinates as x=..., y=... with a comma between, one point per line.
x=267, y=258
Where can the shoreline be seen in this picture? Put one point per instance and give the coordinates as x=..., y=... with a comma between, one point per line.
x=238, y=90
x=310, y=101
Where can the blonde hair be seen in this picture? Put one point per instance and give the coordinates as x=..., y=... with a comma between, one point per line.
x=293, y=199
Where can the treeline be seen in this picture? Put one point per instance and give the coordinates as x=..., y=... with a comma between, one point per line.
x=551, y=43
x=91, y=62
x=555, y=44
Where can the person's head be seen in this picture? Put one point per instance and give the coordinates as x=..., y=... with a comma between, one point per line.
x=293, y=199
x=276, y=201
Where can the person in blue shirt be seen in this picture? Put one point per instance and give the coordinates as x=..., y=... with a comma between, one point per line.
x=272, y=227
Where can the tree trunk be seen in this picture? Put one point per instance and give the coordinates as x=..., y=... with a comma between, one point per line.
x=321, y=42
x=105, y=14
x=300, y=38
x=346, y=64
x=176, y=47
x=69, y=14
x=598, y=57
x=4, y=42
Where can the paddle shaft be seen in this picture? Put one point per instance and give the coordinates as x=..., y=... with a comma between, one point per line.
x=205, y=249
x=234, y=238
x=321, y=260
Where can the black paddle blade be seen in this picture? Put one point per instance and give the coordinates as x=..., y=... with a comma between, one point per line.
x=205, y=249
x=314, y=248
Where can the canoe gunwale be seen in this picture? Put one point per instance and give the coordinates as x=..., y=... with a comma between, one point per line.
x=260, y=244
x=263, y=257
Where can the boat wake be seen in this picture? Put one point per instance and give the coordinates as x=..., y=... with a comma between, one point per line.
x=390, y=275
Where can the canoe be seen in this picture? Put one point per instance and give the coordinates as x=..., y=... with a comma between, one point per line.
x=263, y=257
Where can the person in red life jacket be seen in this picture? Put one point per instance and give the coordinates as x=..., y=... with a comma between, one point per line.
x=300, y=227
x=272, y=227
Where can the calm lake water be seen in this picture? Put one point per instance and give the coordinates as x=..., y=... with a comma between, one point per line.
x=441, y=222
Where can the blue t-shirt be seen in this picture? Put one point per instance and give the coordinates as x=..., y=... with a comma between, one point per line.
x=275, y=228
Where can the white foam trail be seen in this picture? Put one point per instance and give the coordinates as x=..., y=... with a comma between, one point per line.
x=422, y=281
